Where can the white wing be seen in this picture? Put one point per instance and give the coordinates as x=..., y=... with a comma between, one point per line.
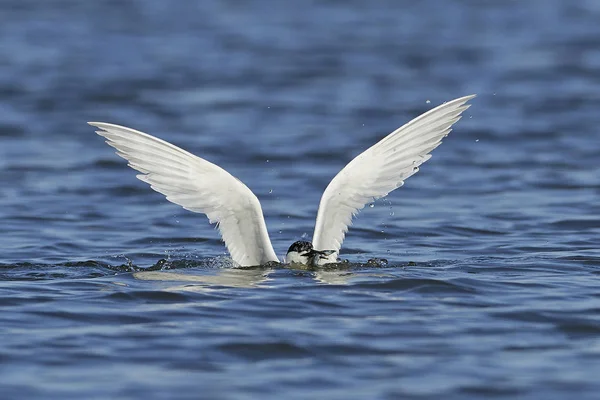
x=200, y=186
x=380, y=169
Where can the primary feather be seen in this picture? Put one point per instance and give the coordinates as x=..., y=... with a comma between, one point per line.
x=380, y=169
x=200, y=186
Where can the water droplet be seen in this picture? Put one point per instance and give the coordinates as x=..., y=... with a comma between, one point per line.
x=415, y=169
x=267, y=160
x=428, y=101
x=392, y=213
x=371, y=205
x=280, y=232
x=477, y=140
x=470, y=117
x=270, y=190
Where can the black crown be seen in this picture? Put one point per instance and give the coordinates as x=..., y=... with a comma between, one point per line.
x=301, y=247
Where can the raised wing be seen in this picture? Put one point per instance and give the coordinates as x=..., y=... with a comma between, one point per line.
x=200, y=186
x=380, y=169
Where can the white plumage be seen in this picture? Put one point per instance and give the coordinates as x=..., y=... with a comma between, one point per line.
x=200, y=186
x=380, y=169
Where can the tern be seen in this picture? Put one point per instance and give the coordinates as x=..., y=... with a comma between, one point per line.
x=203, y=187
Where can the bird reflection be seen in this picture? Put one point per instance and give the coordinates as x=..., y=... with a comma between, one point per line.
x=240, y=277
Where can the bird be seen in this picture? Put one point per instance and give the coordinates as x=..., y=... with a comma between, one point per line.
x=203, y=187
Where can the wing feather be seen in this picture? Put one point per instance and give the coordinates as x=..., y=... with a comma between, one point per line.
x=381, y=169
x=199, y=186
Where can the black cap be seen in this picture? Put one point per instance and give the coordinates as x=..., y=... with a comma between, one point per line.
x=301, y=247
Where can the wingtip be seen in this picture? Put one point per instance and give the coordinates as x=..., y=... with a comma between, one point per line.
x=101, y=130
x=468, y=97
x=458, y=102
x=96, y=124
x=104, y=125
x=461, y=102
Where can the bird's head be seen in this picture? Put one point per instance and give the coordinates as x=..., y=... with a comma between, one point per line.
x=299, y=253
x=303, y=253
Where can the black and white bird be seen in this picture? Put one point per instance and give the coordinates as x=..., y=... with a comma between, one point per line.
x=201, y=186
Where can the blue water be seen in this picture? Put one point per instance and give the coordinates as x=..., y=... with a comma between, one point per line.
x=492, y=281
